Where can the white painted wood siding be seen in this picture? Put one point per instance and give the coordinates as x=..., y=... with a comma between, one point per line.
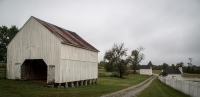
x=34, y=42
x=75, y=53
x=146, y=71
x=73, y=70
x=78, y=64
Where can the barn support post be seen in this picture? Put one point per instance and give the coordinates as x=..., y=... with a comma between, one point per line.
x=59, y=85
x=81, y=83
x=76, y=84
x=66, y=85
x=85, y=82
x=72, y=84
x=96, y=81
x=92, y=81
x=89, y=82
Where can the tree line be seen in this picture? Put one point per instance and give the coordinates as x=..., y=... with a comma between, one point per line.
x=187, y=69
x=116, y=59
x=6, y=35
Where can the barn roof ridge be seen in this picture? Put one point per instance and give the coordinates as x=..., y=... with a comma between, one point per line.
x=68, y=37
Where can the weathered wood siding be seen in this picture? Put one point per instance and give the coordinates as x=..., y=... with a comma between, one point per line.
x=34, y=42
x=78, y=64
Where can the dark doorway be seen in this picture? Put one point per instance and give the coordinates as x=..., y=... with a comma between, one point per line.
x=34, y=70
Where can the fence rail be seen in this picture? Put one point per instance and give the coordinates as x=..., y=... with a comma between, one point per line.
x=188, y=86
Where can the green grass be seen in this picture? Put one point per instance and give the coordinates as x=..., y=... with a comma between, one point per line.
x=189, y=75
x=159, y=89
x=156, y=71
x=102, y=71
x=2, y=72
x=13, y=88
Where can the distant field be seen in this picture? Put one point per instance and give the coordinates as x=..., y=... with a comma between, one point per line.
x=157, y=71
x=191, y=75
x=102, y=72
x=159, y=89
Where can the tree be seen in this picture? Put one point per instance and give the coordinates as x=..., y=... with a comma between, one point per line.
x=150, y=64
x=173, y=66
x=101, y=65
x=165, y=66
x=190, y=68
x=179, y=64
x=190, y=63
x=115, y=56
x=109, y=60
x=136, y=57
x=6, y=35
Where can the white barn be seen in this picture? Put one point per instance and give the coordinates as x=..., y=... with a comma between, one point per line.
x=173, y=73
x=43, y=51
x=145, y=70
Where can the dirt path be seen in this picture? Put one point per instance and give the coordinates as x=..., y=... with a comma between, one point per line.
x=133, y=90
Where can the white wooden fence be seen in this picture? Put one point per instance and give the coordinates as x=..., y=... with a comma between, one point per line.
x=188, y=86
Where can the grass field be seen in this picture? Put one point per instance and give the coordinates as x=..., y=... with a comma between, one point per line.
x=2, y=73
x=107, y=84
x=191, y=75
x=10, y=88
x=159, y=89
x=103, y=72
x=157, y=71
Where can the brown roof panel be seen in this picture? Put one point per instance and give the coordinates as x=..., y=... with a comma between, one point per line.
x=67, y=36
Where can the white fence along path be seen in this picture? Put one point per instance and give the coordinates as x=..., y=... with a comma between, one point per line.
x=189, y=86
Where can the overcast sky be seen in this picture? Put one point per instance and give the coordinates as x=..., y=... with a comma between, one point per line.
x=169, y=30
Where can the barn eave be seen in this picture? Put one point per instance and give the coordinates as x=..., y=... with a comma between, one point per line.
x=79, y=46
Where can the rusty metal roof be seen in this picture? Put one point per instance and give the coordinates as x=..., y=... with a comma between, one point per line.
x=67, y=36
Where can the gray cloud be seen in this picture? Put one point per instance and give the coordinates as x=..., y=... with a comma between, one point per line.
x=168, y=29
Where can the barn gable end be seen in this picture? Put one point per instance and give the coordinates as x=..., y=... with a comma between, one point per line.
x=33, y=41
x=67, y=56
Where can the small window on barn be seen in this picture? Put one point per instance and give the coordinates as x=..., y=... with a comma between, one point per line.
x=76, y=49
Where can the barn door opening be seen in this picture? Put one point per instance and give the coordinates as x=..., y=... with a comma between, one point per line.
x=35, y=69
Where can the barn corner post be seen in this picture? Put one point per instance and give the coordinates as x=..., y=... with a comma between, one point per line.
x=51, y=74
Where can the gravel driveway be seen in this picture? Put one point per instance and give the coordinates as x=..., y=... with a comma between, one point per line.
x=133, y=90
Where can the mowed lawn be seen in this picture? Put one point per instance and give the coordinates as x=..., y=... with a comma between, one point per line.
x=13, y=88
x=159, y=89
